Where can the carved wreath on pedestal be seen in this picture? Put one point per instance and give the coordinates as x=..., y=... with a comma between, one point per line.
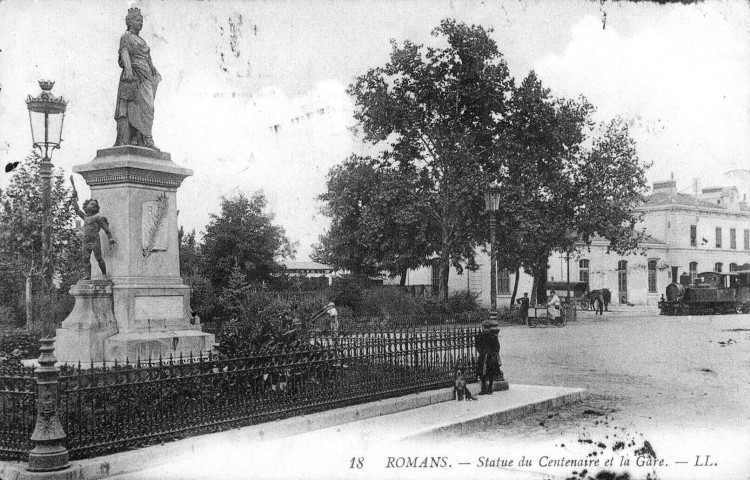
x=153, y=218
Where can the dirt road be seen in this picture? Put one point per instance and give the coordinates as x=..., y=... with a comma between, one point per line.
x=682, y=384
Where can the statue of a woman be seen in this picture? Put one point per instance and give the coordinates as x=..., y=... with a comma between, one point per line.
x=137, y=88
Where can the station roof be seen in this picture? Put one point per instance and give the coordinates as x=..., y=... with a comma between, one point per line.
x=669, y=198
x=296, y=266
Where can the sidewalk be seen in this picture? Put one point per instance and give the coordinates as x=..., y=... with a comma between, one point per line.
x=330, y=444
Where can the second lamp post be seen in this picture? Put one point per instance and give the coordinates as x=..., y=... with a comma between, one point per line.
x=492, y=204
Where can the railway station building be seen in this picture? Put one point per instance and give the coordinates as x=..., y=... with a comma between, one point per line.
x=707, y=231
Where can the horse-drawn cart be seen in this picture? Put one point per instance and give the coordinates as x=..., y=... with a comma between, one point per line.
x=577, y=290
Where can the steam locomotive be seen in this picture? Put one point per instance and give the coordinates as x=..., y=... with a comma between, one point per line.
x=709, y=293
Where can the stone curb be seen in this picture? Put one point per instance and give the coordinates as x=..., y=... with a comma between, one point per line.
x=504, y=416
x=130, y=461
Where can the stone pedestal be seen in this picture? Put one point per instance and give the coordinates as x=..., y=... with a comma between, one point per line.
x=137, y=189
x=81, y=336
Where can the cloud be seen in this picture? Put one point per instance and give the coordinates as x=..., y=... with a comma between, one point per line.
x=683, y=82
x=283, y=145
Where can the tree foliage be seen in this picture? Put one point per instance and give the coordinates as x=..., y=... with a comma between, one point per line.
x=435, y=111
x=243, y=234
x=190, y=255
x=21, y=234
x=21, y=227
x=350, y=190
x=565, y=180
x=377, y=220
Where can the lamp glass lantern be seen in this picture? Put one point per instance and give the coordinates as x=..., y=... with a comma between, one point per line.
x=492, y=199
x=46, y=115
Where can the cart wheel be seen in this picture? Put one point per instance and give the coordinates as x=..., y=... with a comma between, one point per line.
x=562, y=321
x=584, y=305
x=532, y=322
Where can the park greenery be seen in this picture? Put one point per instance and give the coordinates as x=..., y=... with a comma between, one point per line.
x=23, y=293
x=449, y=122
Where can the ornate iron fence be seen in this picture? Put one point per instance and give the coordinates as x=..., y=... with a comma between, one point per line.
x=105, y=410
x=17, y=411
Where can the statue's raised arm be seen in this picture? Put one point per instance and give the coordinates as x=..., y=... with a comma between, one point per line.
x=139, y=80
x=74, y=200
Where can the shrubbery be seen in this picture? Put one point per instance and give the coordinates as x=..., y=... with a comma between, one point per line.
x=464, y=301
x=18, y=343
x=8, y=316
x=252, y=320
x=362, y=298
x=203, y=297
x=260, y=321
x=388, y=300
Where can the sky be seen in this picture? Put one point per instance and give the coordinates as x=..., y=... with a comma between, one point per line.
x=254, y=97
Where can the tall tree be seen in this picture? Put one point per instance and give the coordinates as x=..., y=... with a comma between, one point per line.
x=244, y=234
x=565, y=181
x=436, y=112
x=379, y=220
x=350, y=190
x=611, y=184
x=21, y=227
x=397, y=225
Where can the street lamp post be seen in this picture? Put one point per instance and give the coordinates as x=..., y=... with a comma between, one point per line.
x=492, y=203
x=46, y=114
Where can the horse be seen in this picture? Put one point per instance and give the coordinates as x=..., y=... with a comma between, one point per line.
x=593, y=295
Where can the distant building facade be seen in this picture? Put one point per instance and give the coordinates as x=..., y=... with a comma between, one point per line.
x=708, y=231
x=310, y=270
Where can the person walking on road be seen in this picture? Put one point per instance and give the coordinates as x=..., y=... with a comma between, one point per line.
x=524, y=303
x=488, y=348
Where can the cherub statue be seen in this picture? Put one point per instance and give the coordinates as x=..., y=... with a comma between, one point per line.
x=92, y=223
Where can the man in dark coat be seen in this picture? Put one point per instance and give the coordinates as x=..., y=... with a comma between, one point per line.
x=488, y=365
x=524, y=303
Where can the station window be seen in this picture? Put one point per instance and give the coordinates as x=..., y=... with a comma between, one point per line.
x=652, y=276
x=718, y=237
x=693, y=235
x=747, y=239
x=718, y=266
x=583, y=270
x=733, y=238
x=733, y=267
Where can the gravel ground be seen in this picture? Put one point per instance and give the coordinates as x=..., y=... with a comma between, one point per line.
x=661, y=389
